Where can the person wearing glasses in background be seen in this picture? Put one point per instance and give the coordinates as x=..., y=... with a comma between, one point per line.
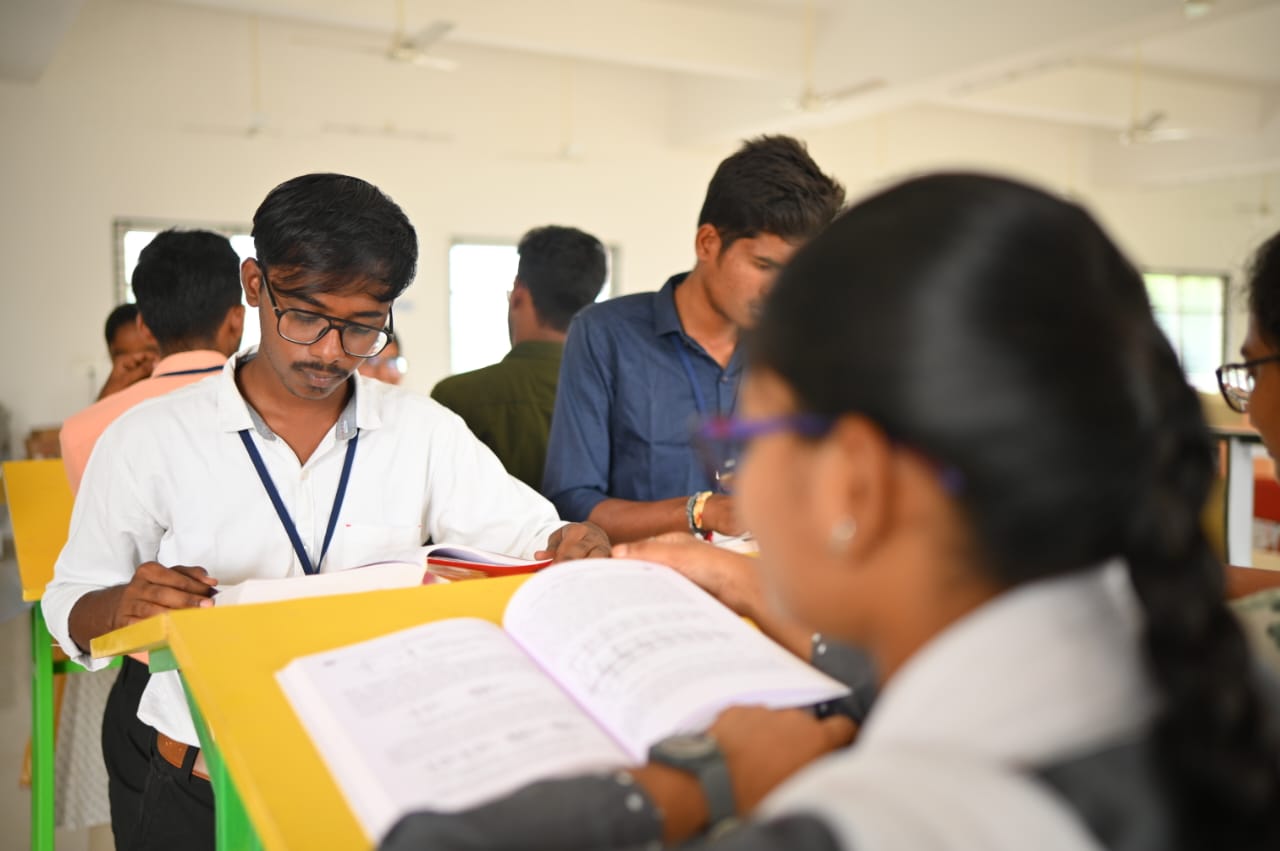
x=388, y=366
x=288, y=463
x=1253, y=386
x=935, y=473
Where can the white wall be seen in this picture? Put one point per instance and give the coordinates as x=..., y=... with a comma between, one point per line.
x=102, y=136
x=105, y=134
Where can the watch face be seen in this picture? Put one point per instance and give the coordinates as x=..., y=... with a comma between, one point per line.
x=687, y=747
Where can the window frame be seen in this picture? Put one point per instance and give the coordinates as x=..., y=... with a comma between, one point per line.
x=120, y=226
x=611, y=288
x=1225, y=281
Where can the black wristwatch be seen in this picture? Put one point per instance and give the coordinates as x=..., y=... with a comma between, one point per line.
x=700, y=756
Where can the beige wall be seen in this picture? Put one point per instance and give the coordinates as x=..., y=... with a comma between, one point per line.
x=107, y=134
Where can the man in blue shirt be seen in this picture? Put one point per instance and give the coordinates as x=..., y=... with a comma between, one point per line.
x=639, y=372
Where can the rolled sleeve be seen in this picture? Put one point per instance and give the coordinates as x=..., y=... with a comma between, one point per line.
x=110, y=531
x=576, y=476
x=473, y=500
x=556, y=815
x=852, y=666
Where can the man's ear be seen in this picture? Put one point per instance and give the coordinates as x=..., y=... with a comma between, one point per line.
x=251, y=280
x=706, y=243
x=232, y=330
x=143, y=329
x=519, y=294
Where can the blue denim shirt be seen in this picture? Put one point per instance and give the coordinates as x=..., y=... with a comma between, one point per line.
x=625, y=406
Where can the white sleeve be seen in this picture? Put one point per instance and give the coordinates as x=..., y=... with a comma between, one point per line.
x=472, y=500
x=112, y=532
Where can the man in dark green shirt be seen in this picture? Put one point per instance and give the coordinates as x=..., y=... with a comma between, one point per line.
x=508, y=405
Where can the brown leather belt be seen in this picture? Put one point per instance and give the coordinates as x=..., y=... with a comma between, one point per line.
x=177, y=753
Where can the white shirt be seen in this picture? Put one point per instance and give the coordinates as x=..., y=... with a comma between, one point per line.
x=170, y=481
x=1048, y=671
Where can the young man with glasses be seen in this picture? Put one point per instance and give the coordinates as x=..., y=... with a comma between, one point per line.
x=287, y=464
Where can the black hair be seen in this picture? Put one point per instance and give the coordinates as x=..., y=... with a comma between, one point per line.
x=770, y=186
x=1017, y=346
x=185, y=283
x=564, y=269
x=121, y=315
x=341, y=230
x=1264, y=289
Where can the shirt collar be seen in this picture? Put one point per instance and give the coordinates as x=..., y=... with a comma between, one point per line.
x=535, y=350
x=665, y=319
x=1075, y=634
x=187, y=361
x=363, y=409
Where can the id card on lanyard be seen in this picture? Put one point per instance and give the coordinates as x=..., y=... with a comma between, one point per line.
x=725, y=464
x=283, y=513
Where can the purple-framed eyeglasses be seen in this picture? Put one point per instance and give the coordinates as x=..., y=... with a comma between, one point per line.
x=731, y=434
x=735, y=430
x=719, y=441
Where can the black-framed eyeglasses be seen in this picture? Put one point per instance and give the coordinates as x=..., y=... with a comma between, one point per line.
x=1235, y=381
x=306, y=327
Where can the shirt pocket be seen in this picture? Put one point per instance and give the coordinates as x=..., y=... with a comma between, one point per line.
x=355, y=544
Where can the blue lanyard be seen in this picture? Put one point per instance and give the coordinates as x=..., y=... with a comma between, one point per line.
x=190, y=371
x=283, y=513
x=698, y=400
x=693, y=379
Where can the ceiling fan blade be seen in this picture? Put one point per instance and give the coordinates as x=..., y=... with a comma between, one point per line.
x=435, y=63
x=429, y=35
x=386, y=131
x=848, y=92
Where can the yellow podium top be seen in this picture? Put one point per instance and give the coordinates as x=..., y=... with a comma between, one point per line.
x=229, y=658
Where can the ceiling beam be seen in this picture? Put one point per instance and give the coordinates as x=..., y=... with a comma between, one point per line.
x=1113, y=97
x=1190, y=161
x=30, y=32
x=741, y=44
x=912, y=46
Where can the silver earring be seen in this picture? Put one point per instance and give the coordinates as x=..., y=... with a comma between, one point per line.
x=842, y=534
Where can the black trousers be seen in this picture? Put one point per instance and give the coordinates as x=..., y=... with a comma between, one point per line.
x=154, y=805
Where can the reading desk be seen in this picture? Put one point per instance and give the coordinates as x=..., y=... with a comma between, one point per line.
x=271, y=786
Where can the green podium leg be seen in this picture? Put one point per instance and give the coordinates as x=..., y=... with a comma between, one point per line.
x=41, y=733
x=234, y=830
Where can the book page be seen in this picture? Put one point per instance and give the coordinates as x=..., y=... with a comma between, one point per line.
x=649, y=653
x=441, y=716
x=372, y=577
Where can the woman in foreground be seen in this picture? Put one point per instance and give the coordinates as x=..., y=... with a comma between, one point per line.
x=970, y=451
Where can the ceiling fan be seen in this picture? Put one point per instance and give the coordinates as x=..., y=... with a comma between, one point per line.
x=568, y=149
x=257, y=124
x=811, y=99
x=405, y=48
x=387, y=130
x=1152, y=125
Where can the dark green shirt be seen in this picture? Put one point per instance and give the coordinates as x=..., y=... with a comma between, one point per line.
x=508, y=405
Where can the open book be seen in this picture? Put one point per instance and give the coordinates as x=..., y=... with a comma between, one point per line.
x=419, y=566
x=599, y=660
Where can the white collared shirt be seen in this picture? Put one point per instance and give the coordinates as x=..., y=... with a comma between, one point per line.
x=1044, y=672
x=170, y=481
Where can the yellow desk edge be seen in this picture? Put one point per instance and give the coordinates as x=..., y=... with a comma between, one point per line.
x=229, y=658
x=39, y=498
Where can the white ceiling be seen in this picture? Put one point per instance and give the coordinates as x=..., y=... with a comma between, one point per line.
x=1243, y=46
x=741, y=66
